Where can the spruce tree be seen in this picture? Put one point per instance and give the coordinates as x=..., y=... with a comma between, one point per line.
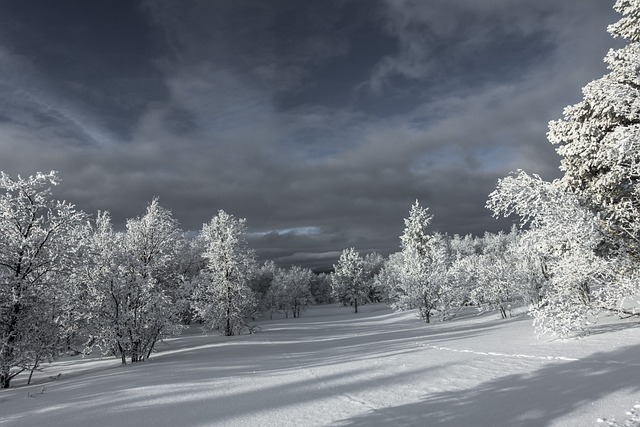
x=599, y=138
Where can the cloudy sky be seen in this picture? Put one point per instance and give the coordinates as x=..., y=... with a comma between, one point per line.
x=319, y=121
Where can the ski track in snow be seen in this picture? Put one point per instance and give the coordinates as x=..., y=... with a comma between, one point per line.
x=492, y=353
x=526, y=356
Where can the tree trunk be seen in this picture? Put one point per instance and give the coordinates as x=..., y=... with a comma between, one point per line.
x=6, y=376
x=426, y=314
x=227, y=327
x=503, y=312
x=5, y=369
x=5, y=380
x=122, y=354
x=7, y=349
x=35, y=366
x=152, y=345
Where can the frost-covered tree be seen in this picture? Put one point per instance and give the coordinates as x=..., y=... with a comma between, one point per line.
x=223, y=298
x=498, y=270
x=496, y=281
x=599, y=141
x=424, y=282
x=528, y=268
x=290, y=290
x=349, y=280
x=585, y=227
x=424, y=262
x=416, y=236
x=38, y=255
x=321, y=288
x=134, y=283
x=388, y=278
x=373, y=263
x=189, y=264
x=463, y=272
x=599, y=138
x=455, y=288
x=260, y=284
x=566, y=237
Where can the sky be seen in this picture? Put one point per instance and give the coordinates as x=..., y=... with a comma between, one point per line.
x=319, y=121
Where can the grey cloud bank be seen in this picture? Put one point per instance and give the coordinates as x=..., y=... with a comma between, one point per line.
x=319, y=121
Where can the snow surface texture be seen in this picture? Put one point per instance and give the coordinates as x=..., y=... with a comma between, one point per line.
x=332, y=367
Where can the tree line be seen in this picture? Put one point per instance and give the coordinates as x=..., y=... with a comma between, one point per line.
x=576, y=252
x=69, y=284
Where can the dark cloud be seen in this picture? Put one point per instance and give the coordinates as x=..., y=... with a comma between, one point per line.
x=320, y=122
x=99, y=58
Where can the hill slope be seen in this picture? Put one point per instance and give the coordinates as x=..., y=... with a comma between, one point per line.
x=332, y=367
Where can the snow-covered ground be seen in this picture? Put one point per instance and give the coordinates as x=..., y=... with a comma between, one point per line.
x=336, y=368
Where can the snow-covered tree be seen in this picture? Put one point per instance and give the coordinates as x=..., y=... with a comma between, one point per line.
x=260, y=284
x=134, y=283
x=599, y=138
x=528, y=267
x=189, y=264
x=290, y=290
x=496, y=284
x=455, y=289
x=465, y=246
x=388, y=278
x=599, y=141
x=424, y=262
x=348, y=280
x=463, y=273
x=373, y=263
x=416, y=237
x=223, y=298
x=321, y=288
x=566, y=237
x=38, y=255
x=424, y=282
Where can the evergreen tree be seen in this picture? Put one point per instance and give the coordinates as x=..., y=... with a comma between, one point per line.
x=423, y=265
x=599, y=138
x=415, y=236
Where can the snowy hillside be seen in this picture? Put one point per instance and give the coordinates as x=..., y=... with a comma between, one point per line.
x=331, y=367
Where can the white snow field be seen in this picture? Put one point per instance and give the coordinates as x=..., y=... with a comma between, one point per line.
x=335, y=368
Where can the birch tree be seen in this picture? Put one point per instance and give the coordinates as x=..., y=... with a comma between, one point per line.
x=566, y=236
x=349, y=280
x=290, y=290
x=38, y=255
x=223, y=299
x=134, y=284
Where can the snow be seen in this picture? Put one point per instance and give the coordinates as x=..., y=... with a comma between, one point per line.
x=335, y=368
